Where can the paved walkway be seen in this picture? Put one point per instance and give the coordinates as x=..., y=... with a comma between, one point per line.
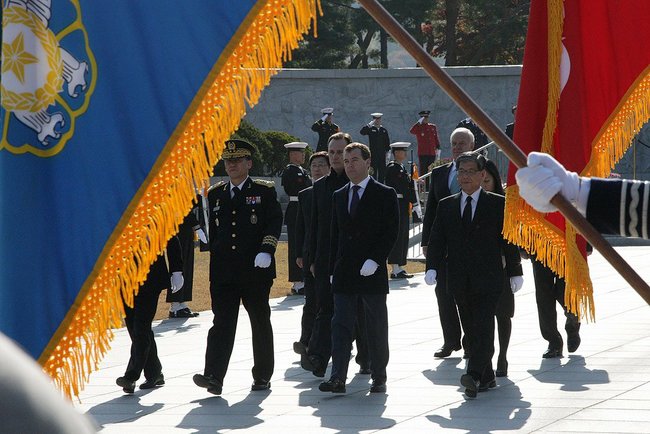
x=603, y=387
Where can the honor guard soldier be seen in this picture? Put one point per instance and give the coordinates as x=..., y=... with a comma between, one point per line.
x=294, y=179
x=379, y=144
x=398, y=178
x=245, y=222
x=325, y=128
x=426, y=134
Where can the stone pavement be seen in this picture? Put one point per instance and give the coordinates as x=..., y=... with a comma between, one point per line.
x=603, y=387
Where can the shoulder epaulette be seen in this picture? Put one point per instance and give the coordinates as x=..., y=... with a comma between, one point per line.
x=217, y=185
x=264, y=182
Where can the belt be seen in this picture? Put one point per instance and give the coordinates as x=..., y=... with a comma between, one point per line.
x=400, y=196
x=293, y=198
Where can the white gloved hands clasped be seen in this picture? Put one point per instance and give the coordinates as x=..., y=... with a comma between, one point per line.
x=201, y=235
x=430, y=277
x=516, y=282
x=263, y=260
x=177, y=281
x=543, y=178
x=368, y=268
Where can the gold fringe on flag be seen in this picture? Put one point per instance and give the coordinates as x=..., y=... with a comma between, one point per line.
x=263, y=41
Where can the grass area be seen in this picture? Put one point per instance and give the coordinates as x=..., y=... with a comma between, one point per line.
x=201, y=289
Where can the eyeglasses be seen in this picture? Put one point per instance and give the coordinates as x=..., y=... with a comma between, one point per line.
x=470, y=172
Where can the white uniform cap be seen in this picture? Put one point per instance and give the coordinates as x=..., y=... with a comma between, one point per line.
x=376, y=115
x=296, y=145
x=327, y=111
x=400, y=145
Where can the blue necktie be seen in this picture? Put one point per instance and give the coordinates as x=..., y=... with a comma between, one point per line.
x=454, y=187
x=355, y=200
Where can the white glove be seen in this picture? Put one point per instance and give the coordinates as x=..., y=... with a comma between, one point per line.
x=263, y=260
x=324, y=118
x=331, y=278
x=421, y=120
x=430, y=277
x=544, y=178
x=201, y=235
x=369, y=267
x=417, y=209
x=516, y=282
x=177, y=281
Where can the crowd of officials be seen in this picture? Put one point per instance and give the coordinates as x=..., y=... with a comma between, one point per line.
x=348, y=218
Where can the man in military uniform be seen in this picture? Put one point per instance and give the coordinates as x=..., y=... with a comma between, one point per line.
x=426, y=134
x=398, y=178
x=325, y=128
x=294, y=179
x=379, y=144
x=245, y=223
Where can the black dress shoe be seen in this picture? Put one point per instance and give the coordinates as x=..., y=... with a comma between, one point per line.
x=445, y=351
x=156, y=382
x=318, y=367
x=401, y=275
x=364, y=370
x=573, y=342
x=378, y=386
x=502, y=369
x=300, y=348
x=552, y=353
x=183, y=313
x=482, y=387
x=471, y=385
x=127, y=385
x=213, y=385
x=333, y=385
x=261, y=384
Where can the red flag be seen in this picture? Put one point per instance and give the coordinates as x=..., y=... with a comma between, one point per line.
x=584, y=95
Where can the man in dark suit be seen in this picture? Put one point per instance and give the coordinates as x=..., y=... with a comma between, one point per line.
x=319, y=165
x=245, y=224
x=444, y=182
x=365, y=222
x=466, y=235
x=138, y=319
x=294, y=179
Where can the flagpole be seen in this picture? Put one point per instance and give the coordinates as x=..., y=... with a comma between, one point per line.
x=512, y=151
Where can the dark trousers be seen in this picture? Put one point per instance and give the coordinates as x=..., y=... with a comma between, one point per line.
x=309, y=309
x=549, y=289
x=425, y=162
x=343, y=325
x=221, y=337
x=295, y=272
x=144, y=353
x=379, y=167
x=448, y=312
x=478, y=311
x=320, y=343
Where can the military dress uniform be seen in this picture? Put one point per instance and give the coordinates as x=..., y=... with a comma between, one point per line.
x=324, y=129
x=398, y=178
x=294, y=179
x=241, y=226
x=379, y=144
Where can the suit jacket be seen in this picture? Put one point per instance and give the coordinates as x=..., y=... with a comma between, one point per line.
x=473, y=255
x=439, y=190
x=370, y=234
x=321, y=218
x=240, y=229
x=303, y=223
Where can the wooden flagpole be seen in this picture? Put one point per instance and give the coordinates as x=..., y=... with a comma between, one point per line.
x=512, y=151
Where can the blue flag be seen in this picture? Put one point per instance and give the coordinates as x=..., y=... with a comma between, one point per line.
x=111, y=112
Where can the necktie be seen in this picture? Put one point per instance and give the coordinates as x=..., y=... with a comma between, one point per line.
x=467, y=212
x=355, y=200
x=236, y=194
x=454, y=187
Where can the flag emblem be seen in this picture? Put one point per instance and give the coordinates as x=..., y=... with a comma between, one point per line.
x=45, y=82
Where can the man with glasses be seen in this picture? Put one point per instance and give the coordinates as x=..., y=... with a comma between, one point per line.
x=466, y=238
x=444, y=182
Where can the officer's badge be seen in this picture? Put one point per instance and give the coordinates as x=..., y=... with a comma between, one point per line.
x=48, y=76
x=253, y=219
x=253, y=200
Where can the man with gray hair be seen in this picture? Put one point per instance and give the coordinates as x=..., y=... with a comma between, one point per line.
x=444, y=182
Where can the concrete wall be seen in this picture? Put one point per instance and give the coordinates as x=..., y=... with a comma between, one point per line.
x=294, y=99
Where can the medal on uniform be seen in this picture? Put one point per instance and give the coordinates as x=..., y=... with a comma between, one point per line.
x=216, y=221
x=253, y=219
